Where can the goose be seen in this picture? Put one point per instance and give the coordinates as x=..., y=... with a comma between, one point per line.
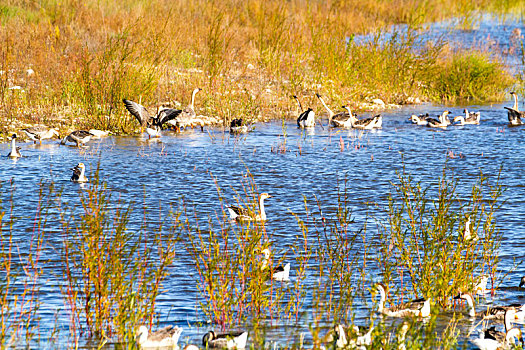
x=522, y=282
x=80, y=137
x=98, y=133
x=480, y=287
x=493, y=339
x=231, y=340
x=307, y=118
x=366, y=124
x=244, y=214
x=280, y=273
x=237, y=127
x=40, y=132
x=514, y=114
x=188, y=115
x=418, y=307
x=152, y=124
x=341, y=119
x=443, y=121
x=79, y=173
x=165, y=337
x=420, y=119
x=15, y=150
x=468, y=236
x=356, y=335
x=493, y=312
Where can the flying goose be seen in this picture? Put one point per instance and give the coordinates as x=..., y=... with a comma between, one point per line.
x=493, y=312
x=341, y=119
x=237, y=126
x=493, y=339
x=419, y=119
x=307, y=118
x=165, y=337
x=15, y=150
x=231, y=340
x=443, y=121
x=418, y=307
x=514, y=114
x=79, y=173
x=152, y=124
x=244, y=214
x=279, y=273
x=366, y=124
x=40, y=132
x=80, y=137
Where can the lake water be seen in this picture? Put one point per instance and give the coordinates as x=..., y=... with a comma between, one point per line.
x=182, y=166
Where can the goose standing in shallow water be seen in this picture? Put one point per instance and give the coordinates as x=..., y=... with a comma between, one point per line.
x=493, y=339
x=80, y=137
x=279, y=273
x=152, y=124
x=79, y=173
x=514, y=114
x=163, y=338
x=244, y=214
x=237, y=127
x=188, y=116
x=341, y=119
x=15, y=150
x=231, y=340
x=365, y=124
x=40, y=132
x=493, y=312
x=418, y=307
x=306, y=119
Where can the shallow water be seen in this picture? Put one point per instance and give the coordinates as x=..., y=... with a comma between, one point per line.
x=182, y=166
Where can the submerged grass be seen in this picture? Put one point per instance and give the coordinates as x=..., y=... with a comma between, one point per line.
x=249, y=56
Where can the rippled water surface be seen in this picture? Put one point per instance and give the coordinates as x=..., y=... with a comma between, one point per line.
x=186, y=165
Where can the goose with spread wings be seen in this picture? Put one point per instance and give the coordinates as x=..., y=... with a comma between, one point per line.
x=153, y=124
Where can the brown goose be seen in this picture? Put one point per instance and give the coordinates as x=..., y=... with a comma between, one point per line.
x=514, y=114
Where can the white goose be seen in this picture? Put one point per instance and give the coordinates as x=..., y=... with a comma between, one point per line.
x=341, y=119
x=307, y=118
x=365, y=124
x=231, y=340
x=514, y=114
x=79, y=173
x=443, y=121
x=493, y=339
x=244, y=214
x=356, y=337
x=418, y=307
x=468, y=118
x=167, y=337
x=15, y=150
x=419, y=119
x=493, y=312
x=280, y=273
x=468, y=236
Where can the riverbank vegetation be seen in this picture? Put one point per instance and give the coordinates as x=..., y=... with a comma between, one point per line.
x=113, y=268
x=68, y=64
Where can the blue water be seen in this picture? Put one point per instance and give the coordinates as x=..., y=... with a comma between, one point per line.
x=187, y=166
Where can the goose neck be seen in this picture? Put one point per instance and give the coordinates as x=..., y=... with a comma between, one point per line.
x=515, y=102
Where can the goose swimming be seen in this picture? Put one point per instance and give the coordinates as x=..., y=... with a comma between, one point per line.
x=443, y=121
x=522, y=282
x=188, y=116
x=514, y=114
x=418, y=307
x=80, y=137
x=280, y=273
x=493, y=339
x=419, y=119
x=244, y=214
x=468, y=118
x=307, y=118
x=165, y=337
x=15, y=150
x=152, y=124
x=40, y=132
x=231, y=340
x=493, y=312
x=237, y=127
x=79, y=173
x=365, y=124
x=341, y=119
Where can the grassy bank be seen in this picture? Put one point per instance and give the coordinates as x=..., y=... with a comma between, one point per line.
x=68, y=64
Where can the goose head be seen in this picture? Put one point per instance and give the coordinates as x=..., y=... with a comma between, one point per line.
x=266, y=253
x=264, y=196
x=142, y=334
x=522, y=282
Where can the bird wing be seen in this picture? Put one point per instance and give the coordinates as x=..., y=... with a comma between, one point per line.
x=492, y=333
x=240, y=211
x=81, y=133
x=167, y=114
x=138, y=111
x=162, y=333
x=365, y=121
